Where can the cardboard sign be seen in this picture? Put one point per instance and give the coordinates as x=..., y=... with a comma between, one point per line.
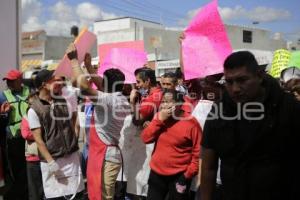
x=295, y=59
x=104, y=49
x=83, y=43
x=280, y=62
x=206, y=44
x=125, y=59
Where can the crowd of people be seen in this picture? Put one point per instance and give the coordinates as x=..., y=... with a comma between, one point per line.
x=229, y=136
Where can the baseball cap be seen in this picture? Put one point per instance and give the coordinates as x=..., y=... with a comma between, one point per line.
x=42, y=77
x=12, y=75
x=290, y=73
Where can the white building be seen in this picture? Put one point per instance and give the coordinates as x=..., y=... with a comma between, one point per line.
x=157, y=40
x=162, y=43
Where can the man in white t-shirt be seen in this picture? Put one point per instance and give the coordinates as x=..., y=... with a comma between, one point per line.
x=110, y=109
x=52, y=124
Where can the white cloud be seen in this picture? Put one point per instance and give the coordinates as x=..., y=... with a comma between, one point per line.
x=32, y=24
x=61, y=16
x=30, y=8
x=228, y=13
x=261, y=14
x=88, y=11
x=189, y=16
x=265, y=14
x=56, y=27
x=62, y=11
x=106, y=15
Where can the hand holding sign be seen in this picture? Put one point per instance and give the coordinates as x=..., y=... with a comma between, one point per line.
x=72, y=52
x=83, y=44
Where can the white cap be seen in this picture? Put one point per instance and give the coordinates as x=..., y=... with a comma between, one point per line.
x=289, y=74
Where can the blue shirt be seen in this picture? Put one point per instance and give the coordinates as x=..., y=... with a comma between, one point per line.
x=88, y=110
x=2, y=98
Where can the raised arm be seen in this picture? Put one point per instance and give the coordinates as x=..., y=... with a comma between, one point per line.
x=95, y=78
x=81, y=78
x=153, y=130
x=181, y=38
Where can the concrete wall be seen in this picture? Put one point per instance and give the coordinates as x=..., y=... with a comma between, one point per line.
x=111, y=25
x=122, y=24
x=31, y=47
x=33, y=56
x=294, y=45
x=143, y=23
x=55, y=47
x=121, y=30
x=9, y=36
x=116, y=36
x=169, y=48
x=261, y=39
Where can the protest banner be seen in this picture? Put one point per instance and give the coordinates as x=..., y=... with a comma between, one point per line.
x=125, y=59
x=104, y=49
x=280, y=62
x=295, y=59
x=83, y=43
x=206, y=44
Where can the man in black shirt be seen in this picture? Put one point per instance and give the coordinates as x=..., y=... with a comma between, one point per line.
x=254, y=132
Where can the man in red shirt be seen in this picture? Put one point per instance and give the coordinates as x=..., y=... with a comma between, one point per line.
x=148, y=93
x=169, y=81
x=175, y=159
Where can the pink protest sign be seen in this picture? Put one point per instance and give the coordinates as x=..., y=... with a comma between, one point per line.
x=83, y=43
x=104, y=49
x=125, y=59
x=206, y=44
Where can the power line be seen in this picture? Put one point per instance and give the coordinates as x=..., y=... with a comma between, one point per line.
x=150, y=4
x=153, y=16
x=161, y=16
x=105, y=4
x=149, y=9
x=154, y=13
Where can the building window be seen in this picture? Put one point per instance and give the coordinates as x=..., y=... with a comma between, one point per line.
x=247, y=36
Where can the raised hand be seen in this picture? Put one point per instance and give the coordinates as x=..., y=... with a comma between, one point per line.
x=72, y=52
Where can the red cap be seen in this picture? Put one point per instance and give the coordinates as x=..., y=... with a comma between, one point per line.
x=13, y=75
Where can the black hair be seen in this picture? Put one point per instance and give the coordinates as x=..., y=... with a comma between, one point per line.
x=170, y=75
x=195, y=88
x=113, y=80
x=179, y=73
x=177, y=96
x=145, y=73
x=242, y=59
x=138, y=70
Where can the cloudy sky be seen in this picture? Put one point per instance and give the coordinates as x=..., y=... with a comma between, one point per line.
x=57, y=16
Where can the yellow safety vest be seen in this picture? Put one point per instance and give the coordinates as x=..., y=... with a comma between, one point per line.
x=18, y=110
